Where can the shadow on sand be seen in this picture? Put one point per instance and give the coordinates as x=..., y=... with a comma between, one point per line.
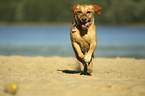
x=70, y=71
x=74, y=72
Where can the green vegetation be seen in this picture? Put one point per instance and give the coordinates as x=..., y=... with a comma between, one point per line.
x=113, y=11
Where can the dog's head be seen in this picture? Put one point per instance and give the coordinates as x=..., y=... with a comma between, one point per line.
x=83, y=14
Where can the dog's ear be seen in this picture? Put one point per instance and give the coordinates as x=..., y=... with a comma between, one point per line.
x=97, y=9
x=73, y=8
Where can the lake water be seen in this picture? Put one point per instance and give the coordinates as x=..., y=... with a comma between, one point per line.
x=55, y=41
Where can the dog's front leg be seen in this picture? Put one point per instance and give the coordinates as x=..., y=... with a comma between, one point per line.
x=78, y=51
x=88, y=56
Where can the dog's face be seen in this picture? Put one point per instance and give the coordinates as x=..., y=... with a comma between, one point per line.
x=83, y=14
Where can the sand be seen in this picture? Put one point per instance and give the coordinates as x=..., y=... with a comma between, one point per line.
x=57, y=76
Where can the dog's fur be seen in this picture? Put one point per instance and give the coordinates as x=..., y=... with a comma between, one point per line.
x=83, y=34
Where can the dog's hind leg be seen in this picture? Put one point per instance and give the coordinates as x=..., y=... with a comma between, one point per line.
x=85, y=68
x=90, y=66
x=85, y=72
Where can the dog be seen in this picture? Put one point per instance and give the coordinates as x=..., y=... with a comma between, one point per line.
x=83, y=34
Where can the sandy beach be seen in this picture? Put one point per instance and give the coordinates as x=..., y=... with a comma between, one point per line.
x=59, y=76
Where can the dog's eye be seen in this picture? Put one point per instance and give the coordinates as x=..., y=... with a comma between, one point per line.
x=80, y=11
x=88, y=11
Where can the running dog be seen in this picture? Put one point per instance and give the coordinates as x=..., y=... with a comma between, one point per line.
x=83, y=34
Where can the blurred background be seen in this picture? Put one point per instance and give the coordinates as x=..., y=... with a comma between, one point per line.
x=42, y=28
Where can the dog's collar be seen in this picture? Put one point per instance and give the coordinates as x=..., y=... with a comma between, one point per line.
x=74, y=29
x=76, y=25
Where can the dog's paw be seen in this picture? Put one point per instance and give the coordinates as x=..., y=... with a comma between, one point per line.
x=87, y=58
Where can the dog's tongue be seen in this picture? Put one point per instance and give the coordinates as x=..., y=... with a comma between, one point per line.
x=85, y=25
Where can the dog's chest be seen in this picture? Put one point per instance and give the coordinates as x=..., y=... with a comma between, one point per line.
x=84, y=42
x=84, y=39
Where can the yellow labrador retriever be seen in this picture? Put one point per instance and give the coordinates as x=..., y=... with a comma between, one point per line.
x=83, y=34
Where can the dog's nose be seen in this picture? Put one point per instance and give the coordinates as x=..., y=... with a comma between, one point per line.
x=84, y=19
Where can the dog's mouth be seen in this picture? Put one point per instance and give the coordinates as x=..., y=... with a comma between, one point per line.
x=85, y=25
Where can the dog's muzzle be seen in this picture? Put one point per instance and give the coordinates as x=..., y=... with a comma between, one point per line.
x=85, y=24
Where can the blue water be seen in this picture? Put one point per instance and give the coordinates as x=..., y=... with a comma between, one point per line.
x=51, y=41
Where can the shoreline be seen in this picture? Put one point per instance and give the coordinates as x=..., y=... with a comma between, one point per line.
x=67, y=24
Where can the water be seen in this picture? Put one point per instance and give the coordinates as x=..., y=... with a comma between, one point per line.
x=54, y=41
